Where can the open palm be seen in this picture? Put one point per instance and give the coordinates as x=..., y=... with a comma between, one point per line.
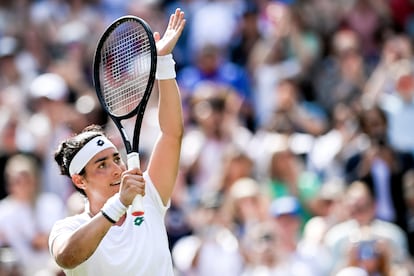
x=176, y=24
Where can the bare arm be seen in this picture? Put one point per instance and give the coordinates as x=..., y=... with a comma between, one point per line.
x=66, y=249
x=164, y=162
x=74, y=248
x=71, y=248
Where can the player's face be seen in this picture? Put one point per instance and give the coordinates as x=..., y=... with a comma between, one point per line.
x=103, y=174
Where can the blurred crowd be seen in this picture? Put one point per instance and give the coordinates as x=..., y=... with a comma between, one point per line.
x=297, y=157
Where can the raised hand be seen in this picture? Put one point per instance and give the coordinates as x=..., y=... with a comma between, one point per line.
x=176, y=24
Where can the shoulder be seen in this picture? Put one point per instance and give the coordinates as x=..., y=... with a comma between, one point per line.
x=388, y=228
x=65, y=226
x=70, y=223
x=339, y=232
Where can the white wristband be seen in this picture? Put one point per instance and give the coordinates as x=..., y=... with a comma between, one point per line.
x=165, y=67
x=113, y=209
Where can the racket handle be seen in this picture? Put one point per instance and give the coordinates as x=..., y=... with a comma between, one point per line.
x=137, y=207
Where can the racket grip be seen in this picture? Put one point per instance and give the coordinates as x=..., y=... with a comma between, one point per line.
x=137, y=207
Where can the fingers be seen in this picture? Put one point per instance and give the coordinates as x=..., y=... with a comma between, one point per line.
x=177, y=20
x=132, y=183
x=166, y=43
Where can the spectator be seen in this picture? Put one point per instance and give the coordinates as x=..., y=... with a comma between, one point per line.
x=330, y=211
x=259, y=247
x=213, y=249
x=236, y=165
x=271, y=60
x=293, y=114
x=399, y=107
x=49, y=94
x=330, y=151
x=362, y=207
x=289, y=177
x=381, y=81
x=342, y=74
x=292, y=260
x=211, y=65
x=380, y=166
x=216, y=129
x=246, y=205
x=27, y=215
x=373, y=256
x=246, y=35
x=15, y=69
x=15, y=137
x=367, y=18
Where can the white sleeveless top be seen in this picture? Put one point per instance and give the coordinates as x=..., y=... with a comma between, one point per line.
x=138, y=247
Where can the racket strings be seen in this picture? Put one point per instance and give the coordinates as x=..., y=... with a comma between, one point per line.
x=126, y=64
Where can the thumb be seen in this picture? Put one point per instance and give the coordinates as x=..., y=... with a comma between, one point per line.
x=157, y=36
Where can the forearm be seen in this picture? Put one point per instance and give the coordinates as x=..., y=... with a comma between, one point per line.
x=73, y=249
x=170, y=110
x=166, y=154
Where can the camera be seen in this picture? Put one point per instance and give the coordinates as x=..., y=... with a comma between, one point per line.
x=367, y=250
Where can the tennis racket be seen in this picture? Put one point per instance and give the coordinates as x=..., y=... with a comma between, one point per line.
x=124, y=73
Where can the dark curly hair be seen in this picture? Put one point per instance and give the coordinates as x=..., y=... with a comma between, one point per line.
x=72, y=145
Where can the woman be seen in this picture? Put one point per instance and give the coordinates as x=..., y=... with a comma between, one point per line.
x=106, y=239
x=24, y=229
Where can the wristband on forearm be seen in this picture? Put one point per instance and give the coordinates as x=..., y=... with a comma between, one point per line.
x=165, y=67
x=113, y=209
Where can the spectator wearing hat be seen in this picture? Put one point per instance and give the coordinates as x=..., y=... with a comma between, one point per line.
x=51, y=121
x=292, y=259
x=245, y=205
x=330, y=211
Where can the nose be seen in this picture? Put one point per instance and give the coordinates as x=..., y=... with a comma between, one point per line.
x=118, y=168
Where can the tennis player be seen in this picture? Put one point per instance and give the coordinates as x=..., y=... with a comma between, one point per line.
x=106, y=239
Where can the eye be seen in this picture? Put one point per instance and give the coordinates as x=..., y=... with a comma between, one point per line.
x=117, y=159
x=102, y=165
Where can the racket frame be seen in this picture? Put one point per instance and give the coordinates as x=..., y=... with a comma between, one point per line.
x=132, y=149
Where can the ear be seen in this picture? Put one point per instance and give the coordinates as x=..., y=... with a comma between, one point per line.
x=78, y=180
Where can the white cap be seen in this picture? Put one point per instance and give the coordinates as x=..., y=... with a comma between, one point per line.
x=49, y=85
x=285, y=205
x=352, y=271
x=244, y=187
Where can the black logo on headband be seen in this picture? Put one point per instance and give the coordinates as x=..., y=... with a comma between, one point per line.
x=100, y=143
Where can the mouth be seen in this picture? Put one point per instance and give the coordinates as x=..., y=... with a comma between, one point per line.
x=115, y=183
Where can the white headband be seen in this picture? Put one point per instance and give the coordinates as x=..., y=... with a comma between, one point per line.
x=88, y=151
